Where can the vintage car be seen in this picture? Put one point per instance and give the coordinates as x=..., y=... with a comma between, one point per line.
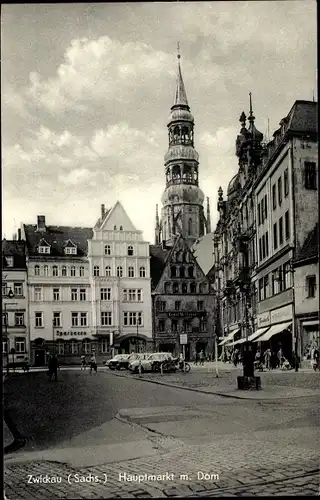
x=115, y=362
x=151, y=363
x=134, y=356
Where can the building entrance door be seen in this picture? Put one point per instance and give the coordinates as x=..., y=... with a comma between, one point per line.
x=39, y=357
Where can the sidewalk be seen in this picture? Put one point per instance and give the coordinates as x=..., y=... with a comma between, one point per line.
x=223, y=387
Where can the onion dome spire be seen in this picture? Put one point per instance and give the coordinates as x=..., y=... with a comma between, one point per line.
x=180, y=97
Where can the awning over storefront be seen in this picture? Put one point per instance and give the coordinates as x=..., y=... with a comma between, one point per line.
x=229, y=337
x=273, y=331
x=257, y=334
x=311, y=323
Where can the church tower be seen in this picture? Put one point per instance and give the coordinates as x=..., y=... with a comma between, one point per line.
x=182, y=201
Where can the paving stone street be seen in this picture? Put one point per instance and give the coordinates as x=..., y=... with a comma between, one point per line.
x=250, y=447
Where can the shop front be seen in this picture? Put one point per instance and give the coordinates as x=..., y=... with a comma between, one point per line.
x=309, y=335
x=278, y=325
x=69, y=346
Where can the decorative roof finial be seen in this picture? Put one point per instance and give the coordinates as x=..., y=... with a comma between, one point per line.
x=251, y=117
x=178, y=47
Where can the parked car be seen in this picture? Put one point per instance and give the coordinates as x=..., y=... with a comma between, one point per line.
x=151, y=363
x=135, y=356
x=115, y=362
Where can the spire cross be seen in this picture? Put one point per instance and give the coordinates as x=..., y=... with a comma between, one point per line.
x=178, y=48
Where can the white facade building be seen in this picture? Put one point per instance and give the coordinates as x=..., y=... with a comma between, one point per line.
x=120, y=281
x=15, y=333
x=59, y=292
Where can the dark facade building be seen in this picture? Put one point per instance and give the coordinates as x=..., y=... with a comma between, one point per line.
x=183, y=302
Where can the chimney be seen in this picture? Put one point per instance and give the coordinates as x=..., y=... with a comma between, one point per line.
x=19, y=234
x=103, y=211
x=41, y=223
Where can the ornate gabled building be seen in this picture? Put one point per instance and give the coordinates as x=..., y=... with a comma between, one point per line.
x=182, y=200
x=271, y=207
x=234, y=238
x=183, y=303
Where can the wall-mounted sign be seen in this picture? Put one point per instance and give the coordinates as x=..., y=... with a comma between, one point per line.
x=183, y=338
x=282, y=314
x=263, y=319
x=186, y=314
x=59, y=333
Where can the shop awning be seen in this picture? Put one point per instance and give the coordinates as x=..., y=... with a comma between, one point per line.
x=311, y=323
x=273, y=331
x=257, y=334
x=229, y=337
x=251, y=337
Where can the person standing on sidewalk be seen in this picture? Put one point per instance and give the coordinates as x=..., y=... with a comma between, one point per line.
x=93, y=364
x=315, y=359
x=267, y=359
x=83, y=362
x=201, y=357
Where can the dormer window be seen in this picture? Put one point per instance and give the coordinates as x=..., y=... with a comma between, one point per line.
x=70, y=248
x=70, y=251
x=43, y=247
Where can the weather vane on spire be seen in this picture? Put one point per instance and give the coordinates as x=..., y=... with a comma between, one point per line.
x=178, y=47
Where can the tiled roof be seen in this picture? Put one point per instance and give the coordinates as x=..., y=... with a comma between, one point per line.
x=303, y=117
x=202, y=249
x=310, y=248
x=57, y=237
x=158, y=259
x=15, y=249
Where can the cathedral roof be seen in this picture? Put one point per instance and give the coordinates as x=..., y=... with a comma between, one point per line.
x=233, y=185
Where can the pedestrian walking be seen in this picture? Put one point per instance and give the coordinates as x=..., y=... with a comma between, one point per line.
x=235, y=357
x=280, y=356
x=196, y=358
x=26, y=365
x=201, y=357
x=53, y=367
x=315, y=359
x=93, y=364
x=267, y=359
x=83, y=362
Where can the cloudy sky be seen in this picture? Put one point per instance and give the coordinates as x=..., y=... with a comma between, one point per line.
x=87, y=90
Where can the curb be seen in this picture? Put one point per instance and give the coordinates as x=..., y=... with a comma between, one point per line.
x=222, y=394
x=174, y=386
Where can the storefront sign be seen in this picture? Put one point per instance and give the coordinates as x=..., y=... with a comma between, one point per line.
x=263, y=319
x=183, y=338
x=282, y=314
x=71, y=334
x=186, y=314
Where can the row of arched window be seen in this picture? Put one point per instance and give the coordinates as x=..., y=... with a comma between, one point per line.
x=181, y=272
x=58, y=271
x=107, y=250
x=184, y=288
x=119, y=271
